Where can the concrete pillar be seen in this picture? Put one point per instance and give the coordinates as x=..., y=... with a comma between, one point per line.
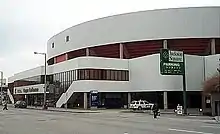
x=54, y=60
x=85, y=101
x=212, y=46
x=66, y=100
x=165, y=46
x=121, y=51
x=165, y=100
x=87, y=52
x=129, y=98
x=66, y=56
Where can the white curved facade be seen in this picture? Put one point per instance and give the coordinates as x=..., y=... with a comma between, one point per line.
x=198, y=22
x=198, y=27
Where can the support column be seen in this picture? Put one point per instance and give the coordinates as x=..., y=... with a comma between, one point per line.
x=87, y=52
x=66, y=100
x=212, y=46
x=66, y=56
x=54, y=60
x=121, y=51
x=165, y=101
x=165, y=46
x=129, y=98
x=85, y=101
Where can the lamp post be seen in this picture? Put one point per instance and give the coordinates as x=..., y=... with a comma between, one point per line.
x=1, y=85
x=45, y=77
x=218, y=90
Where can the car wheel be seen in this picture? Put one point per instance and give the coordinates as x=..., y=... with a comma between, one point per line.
x=139, y=108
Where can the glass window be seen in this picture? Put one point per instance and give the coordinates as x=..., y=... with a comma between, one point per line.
x=142, y=102
x=74, y=75
x=112, y=75
x=52, y=45
x=67, y=38
x=123, y=75
x=133, y=102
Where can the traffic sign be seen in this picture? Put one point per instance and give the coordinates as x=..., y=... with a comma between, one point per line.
x=171, y=62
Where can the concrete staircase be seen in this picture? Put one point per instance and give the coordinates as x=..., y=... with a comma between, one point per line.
x=64, y=97
x=10, y=96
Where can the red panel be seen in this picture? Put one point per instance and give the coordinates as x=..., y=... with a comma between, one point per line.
x=60, y=58
x=143, y=48
x=190, y=46
x=109, y=51
x=217, y=46
x=77, y=53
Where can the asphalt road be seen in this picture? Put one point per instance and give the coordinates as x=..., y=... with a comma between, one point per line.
x=26, y=121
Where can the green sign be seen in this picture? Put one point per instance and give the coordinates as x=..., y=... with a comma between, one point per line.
x=171, y=62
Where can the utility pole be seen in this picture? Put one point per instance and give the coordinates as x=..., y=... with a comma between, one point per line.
x=45, y=78
x=1, y=86
x=218, y=91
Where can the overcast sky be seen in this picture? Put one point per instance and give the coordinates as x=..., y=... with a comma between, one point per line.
x=26, y=25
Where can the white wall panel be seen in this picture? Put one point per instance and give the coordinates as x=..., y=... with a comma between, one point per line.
x=202, y=22
x=211, y=64
x=101, y=86
x=89, y=62
x=145, y=75
x=194, y=72
x=26, y=74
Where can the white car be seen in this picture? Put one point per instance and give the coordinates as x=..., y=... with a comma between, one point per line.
x=141, y=105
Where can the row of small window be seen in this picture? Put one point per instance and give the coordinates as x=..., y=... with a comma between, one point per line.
x=103, y=74
x=65, y=76
x=66, y=39
x=92, y=74
x=33, y=80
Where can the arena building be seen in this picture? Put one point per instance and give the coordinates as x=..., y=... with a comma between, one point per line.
x=119, y=57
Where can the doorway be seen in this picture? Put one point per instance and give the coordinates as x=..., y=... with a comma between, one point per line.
x=217, y=108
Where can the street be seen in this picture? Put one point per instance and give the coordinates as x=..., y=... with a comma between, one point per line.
x=26, y=121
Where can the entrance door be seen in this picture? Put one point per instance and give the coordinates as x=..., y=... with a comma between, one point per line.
x=217, y=108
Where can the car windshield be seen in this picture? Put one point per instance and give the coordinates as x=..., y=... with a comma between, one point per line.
x=146, y=102
x=18, y=102
x=133, y=102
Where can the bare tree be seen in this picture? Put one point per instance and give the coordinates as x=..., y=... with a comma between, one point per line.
x=212, y=85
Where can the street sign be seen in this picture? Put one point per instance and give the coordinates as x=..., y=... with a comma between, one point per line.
x=94, y=98
x=179, y=110
x=171, y=62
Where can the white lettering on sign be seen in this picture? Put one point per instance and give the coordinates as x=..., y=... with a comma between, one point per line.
x=33, y=89
x=171, y=64
x=175, y=56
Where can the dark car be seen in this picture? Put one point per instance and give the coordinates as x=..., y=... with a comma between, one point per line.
x=20, y=104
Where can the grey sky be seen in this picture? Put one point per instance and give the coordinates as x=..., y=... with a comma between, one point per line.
x=26, y=25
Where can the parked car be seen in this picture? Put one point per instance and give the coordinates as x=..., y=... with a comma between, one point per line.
x=20, y=104
x=141, y=105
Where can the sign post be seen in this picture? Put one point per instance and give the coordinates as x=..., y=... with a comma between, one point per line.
x=94, y=99
x=173, y=63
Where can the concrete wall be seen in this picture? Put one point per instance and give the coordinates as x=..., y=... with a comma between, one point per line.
x=137, y=26
x=145, y=75
x=211, y=64
x=89, y=62
x=26, y=74
x=101, y=86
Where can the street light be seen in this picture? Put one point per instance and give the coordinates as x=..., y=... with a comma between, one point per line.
x=218, y=90
x=45, y=77
x=1, y=85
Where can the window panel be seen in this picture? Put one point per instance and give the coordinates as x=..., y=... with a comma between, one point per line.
x=112, y=75
x=123, y=76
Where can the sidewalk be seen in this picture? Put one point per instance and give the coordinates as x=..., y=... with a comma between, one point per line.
x=60, y=109
x=64, y=110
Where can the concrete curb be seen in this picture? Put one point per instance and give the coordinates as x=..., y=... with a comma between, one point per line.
x=63, y=110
